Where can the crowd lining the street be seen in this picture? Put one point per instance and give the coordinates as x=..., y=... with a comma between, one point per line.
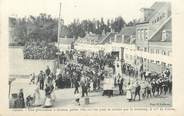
x=90, y=73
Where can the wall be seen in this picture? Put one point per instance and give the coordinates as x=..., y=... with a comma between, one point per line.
x=20, y=66
x=64, y=47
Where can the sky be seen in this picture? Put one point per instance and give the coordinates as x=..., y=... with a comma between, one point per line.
x=81, y=9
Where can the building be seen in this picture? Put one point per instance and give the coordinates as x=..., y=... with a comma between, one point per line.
x=153, y=37
x=121, y=45
x=147, y=46
x=65, y=44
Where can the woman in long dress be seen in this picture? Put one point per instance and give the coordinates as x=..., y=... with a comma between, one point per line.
x=129, y=92
x=91, y=85
x=53, y=95
x=77, y=98
x=37, y=98
x=48, y=100
x=21, y=99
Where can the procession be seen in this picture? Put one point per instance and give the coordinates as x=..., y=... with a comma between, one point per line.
x=96, y=62
x=85, y=79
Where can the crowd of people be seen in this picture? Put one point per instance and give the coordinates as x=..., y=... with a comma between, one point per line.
x=90, y=74
x=43, y=81
x=39, y=50
x=129, y=70
x=149, y=85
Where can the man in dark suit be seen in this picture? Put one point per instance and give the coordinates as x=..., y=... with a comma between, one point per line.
x=120, y=84
x=41, y=80
x=76, y=84
x=83, y=84
x=137, y=90
x=47, y=71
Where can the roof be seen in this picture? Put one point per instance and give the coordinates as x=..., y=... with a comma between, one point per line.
x=128, y=31
x=89, y=38
x=66, y=40
x=157, y=6
x=157, y=35
x=106, y=38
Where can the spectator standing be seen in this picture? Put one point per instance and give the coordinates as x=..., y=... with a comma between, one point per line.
x=120, y=84
x=21, y=99
x=47, y=71
x=128, y=92
x=41, y=79
x=137, y=90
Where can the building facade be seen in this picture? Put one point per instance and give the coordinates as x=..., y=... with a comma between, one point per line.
x=146, y=46
x=154, y=38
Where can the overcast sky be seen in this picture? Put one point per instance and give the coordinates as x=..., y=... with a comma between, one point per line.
x=82, y=9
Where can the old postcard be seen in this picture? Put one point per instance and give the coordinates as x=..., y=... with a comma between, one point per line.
x=86, y=57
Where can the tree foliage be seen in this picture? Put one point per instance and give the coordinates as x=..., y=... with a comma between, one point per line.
x=45, y=28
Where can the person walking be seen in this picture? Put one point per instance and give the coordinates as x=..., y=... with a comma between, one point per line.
x=120, y=84
x=33, y=77
x=77, y=98
x=41, y=80
x=21, y=102
x=47, y=71
x=154, y=86
x=83, y=84
x=48, y=101
x=37, y=98
x=137, y=90
x=76, y=85
x=149, y=88
x=128, y=92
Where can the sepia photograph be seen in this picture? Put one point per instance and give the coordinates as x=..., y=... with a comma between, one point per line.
x=90, y=54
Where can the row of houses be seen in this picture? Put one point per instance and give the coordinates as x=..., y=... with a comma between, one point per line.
x=147, y=44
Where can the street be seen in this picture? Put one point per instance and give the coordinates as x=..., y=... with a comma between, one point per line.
x=65, y=98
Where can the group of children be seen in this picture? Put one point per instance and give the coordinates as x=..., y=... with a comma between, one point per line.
x=148, y=88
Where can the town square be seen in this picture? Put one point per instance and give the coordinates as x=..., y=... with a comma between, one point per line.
x=91, y=62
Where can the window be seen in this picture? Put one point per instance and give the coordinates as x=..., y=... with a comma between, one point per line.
x=126, y=56
x=145, y=49
x=163, y=15
x=157, y=51
x=146, y=34
x=157, y=62
x=157, y=19
x=152, y=51
x=138, y=34
x=142, y=34
x=130, y=57
x=122, y=38
x=138, y=48
x=163, y=52
x=169, y=53
x=166, y=34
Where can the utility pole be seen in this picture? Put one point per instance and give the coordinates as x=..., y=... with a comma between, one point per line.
x=58, y=36
x=59, y=23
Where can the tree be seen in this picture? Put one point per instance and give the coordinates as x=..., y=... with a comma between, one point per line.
x=45, y=28
x=133, y=22
x=118, y=24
